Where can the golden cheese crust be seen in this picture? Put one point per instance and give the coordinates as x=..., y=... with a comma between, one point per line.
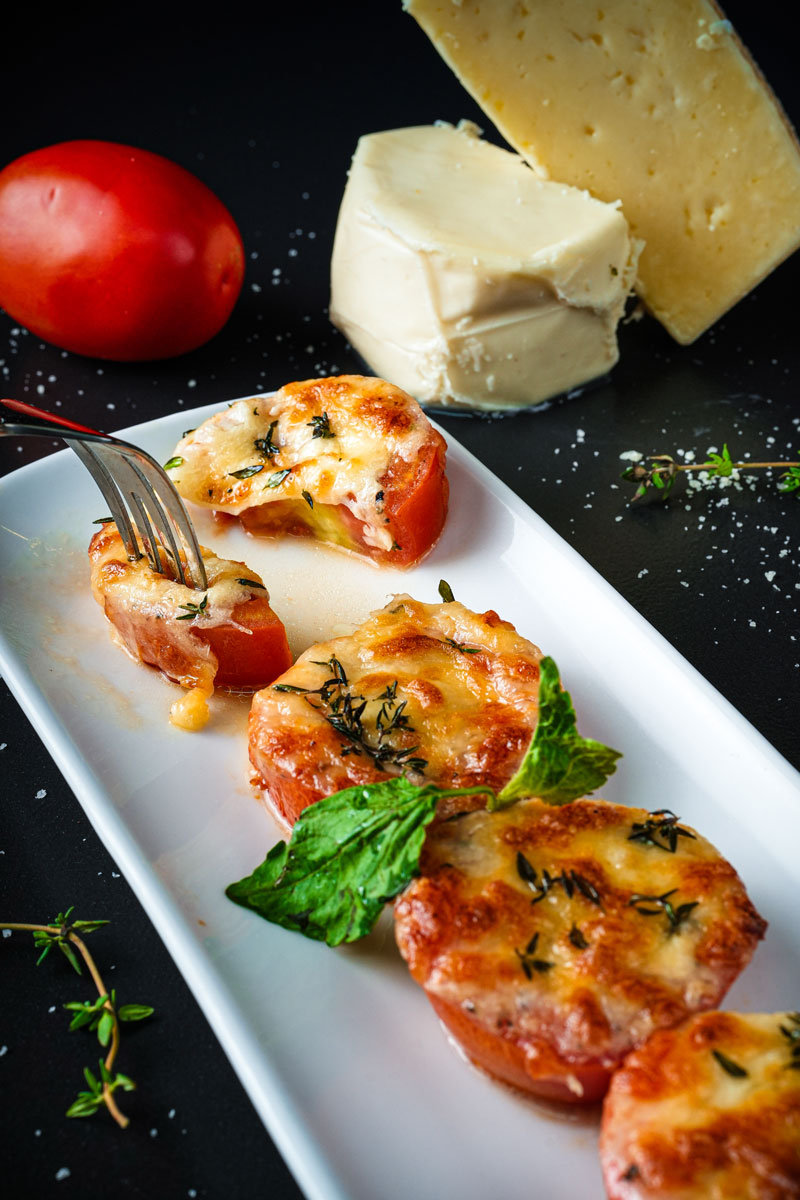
x=708, y=1110
x=225, y=637
x=553, y=940
x=449, y=697
x=350, y=459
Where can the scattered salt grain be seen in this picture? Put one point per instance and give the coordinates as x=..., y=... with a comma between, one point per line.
x=40, y=795
x=63, y=1173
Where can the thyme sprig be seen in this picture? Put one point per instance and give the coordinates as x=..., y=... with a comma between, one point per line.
x=661, y=823
x=792, y=1035
x=528, y=960
x=675, y=916
x=194, y=610
x=345, y=713
x=321, y=426
x=660, y=471
x=266, y=445
x=571, y=881
x=102, y=1015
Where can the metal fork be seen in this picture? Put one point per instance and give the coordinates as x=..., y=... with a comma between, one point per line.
x=140, y=495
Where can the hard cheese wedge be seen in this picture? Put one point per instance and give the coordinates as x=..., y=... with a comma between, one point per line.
x=651, y=102
x=466, y=280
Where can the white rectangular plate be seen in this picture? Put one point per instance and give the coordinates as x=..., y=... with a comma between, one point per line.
x=338, y=1050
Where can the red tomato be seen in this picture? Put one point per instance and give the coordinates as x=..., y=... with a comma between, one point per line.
x=114, y=252
x=251, y=649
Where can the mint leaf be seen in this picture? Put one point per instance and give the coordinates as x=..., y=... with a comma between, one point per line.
x=347, y=856
x=559, y=765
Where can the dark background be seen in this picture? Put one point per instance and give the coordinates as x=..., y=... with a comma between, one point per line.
x=267, y=111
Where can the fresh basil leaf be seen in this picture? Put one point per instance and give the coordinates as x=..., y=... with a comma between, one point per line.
x=559, y=765
x=348, y=854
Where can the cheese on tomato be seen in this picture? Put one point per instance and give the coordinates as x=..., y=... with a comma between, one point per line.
x=707, y=1111
x=326, y=457
x=162, y=622
x=553, y=940
x=449, y=697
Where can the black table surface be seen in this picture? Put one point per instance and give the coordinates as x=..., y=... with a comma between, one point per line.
x=267, y=110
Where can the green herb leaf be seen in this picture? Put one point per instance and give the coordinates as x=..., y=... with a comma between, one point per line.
x=253, y=583
x=177, y=461
x=446, y=592
x=791, y=480
x=135, y=1012
x=104, y=521
x=728, y=1065
x=247, y=472
x=277, y=478
x=722, y=463
x=194, y=610
x=321, y=426
x=309, y=499
x=347, y=856
x=559, y=764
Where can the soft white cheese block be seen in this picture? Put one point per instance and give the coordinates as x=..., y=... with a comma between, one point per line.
x=465, y=279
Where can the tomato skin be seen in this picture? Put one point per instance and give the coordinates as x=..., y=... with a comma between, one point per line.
x=250, y=657
x=114, y=252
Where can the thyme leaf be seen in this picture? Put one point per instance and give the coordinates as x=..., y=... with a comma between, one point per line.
x=661, y=823
x=571, y=881
x=247, y=472
x=101, y=1016
x=660, y=471
x=171, y=463
x=194, y=610
x=728, y=1065
x=276, y=479
x=446, y=592
x=792, y=1035
x=345, y=710
x=253, y=583
x=266, y=445
x=529, y=962
x=675, y=916
x=321, y=426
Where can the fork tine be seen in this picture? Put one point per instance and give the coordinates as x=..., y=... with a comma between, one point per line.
x=134, y=485
x=108, y=487
x=152, y=499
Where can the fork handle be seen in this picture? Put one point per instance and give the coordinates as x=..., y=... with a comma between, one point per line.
x=47, y=423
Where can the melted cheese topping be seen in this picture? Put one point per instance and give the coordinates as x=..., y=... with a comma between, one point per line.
x=572, y=972
x=372, y=423
x=681, y=1122
x=468, y=684
x=154, y=617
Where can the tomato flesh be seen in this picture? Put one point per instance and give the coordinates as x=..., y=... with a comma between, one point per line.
x=113, y=252
x=250, y=657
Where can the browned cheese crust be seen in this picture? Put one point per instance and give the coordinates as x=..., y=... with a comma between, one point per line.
x=709, y=1110
x=451, y=699
x=526, y=931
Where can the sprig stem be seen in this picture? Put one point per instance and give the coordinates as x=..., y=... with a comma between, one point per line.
x=63, y=934
x=659, y=471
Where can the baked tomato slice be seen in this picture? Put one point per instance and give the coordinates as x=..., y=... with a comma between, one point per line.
x=350, y=460
x=432, y=691
x=552, y=940
x=226, y=637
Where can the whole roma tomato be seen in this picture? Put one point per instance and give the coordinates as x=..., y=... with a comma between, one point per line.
x=114, y=252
